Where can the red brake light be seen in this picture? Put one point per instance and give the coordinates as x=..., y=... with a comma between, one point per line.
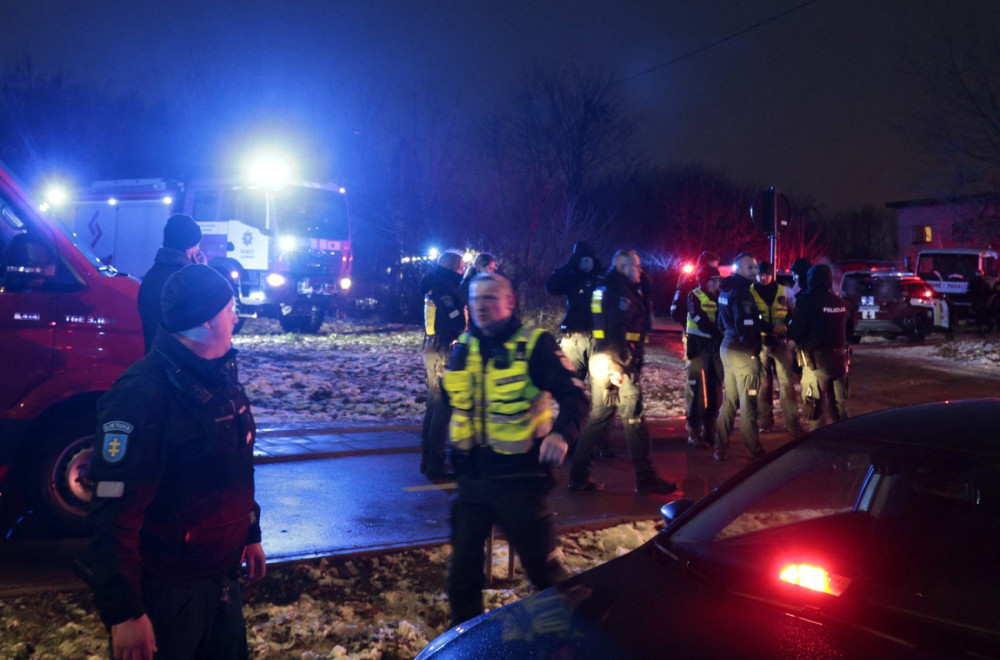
x=815, y=578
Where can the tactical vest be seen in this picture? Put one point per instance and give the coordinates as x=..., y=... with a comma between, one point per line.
x=597, y=311
x=495, y=404
x=777, y=313
x=709, y=307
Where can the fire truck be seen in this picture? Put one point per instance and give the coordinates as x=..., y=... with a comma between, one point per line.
x=69, y=326
x=286, y=249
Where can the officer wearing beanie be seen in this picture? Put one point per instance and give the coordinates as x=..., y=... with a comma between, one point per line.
x=704, y=365
x=820, y=326
x=173, y=481
x=181, y=239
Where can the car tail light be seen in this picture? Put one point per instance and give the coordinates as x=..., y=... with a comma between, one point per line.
x=815, y=578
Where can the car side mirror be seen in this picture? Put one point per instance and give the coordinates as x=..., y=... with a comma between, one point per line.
x=28, y=263
x=673, y=510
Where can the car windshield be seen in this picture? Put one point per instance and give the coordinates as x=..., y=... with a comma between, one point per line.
x=947, y=266
x=893, y=525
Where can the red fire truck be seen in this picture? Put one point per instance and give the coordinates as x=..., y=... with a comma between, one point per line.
x=69, y=326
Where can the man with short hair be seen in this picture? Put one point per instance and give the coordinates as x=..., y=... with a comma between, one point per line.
x=620, y=326
x=739, y=321
x=173, y=482
x=181, y=241
x=777, y=357
x=500, y=381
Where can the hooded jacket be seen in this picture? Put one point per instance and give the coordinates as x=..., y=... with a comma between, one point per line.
x=578, y=287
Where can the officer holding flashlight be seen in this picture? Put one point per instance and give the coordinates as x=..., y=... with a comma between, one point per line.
x=500, y=381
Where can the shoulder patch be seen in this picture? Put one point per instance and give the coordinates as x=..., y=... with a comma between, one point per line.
x=115, y=440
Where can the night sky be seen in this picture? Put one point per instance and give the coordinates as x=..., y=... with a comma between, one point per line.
x=807, y=101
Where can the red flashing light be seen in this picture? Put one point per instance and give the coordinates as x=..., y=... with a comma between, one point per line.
x=815, y=578
x=687, y=269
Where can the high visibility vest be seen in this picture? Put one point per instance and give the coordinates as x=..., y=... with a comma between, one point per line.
x=709, y=307
x=430, y=315
x=777, y=313
x=495, y=404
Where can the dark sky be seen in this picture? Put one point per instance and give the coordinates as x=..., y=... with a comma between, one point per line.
x=807, y=102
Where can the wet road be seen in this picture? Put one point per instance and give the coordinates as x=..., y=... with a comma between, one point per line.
x=365, y=501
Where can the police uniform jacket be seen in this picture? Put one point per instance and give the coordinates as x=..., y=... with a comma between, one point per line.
x=442, y=286
x=167, y=262
x=702, y=328
x=621, y=319
x=739, y=318
x=547, y=371
x=819, y=326
x=173, y=475
x=578, y=287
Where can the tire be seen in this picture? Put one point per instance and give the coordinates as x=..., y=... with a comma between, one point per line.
x=919, y=332
x=292, y=323
x=315, y=321
x=58, y=487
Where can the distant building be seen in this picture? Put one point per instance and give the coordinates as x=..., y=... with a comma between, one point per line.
x=949, y=222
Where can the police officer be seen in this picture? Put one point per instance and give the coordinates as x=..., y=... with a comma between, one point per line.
x=174, y=491
x=620, y=322
x=499, y=383
x=704, y=365
x=739, y=321
x=484, y=263
x=181, y=241
x=687, y=283
x=444, y=321
x=777, y=356
x=820, y=326
x=577, y=279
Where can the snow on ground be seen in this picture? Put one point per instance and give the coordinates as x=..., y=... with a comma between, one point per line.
x=378, y=607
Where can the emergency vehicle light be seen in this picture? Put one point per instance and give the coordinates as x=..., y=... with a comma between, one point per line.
x=275, y=279
x=815, y=578
x=345, y=283
x=687, y=269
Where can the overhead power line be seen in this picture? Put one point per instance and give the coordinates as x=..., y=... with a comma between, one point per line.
x=722, y=40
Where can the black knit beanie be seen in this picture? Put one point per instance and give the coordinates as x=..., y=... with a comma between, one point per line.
x=193, y=295
x=181, y=232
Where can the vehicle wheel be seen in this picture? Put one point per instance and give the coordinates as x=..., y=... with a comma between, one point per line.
x=293, y=322
x=919, y=332
x=58, y=485
x=315, y=321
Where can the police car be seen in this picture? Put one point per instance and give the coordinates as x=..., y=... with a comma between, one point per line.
x=892, y=303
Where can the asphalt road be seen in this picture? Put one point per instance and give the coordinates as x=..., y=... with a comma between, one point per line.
x=361, y=502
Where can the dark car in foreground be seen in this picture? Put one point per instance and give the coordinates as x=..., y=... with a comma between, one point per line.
x=891, y=303
x=878, y=537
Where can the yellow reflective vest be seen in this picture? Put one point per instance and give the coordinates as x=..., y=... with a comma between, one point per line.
x=709, y=307
x=777, y=313
x=495, y=404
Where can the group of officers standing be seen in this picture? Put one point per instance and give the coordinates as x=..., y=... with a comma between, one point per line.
x=746, y=331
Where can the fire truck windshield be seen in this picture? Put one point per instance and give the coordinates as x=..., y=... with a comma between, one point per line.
x=300, y=210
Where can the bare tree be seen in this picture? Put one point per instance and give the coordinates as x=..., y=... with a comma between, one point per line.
x=959, y=121
x=561, y=142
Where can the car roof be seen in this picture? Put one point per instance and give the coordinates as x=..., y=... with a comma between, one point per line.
x=968, y=425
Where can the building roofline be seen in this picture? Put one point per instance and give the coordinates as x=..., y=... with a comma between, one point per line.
x=945, y=201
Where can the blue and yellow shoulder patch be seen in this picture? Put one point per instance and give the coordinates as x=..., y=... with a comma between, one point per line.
x=115, y=440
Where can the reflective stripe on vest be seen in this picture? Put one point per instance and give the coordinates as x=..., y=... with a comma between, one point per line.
x=430, y=315
x=498, y=407
x=778, y=311
x=709, y=307
x=597, y=310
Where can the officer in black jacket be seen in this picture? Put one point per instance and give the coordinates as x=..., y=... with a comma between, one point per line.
x=444, y=321
x=741, y=326
x=820, y=326
x=621, y=319
x=704, y=366
x=174, y=491
x=181, y=241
